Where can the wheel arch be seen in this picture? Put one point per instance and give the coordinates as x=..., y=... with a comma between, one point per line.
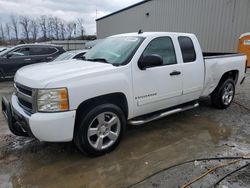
x=118, y=99
x=233, y=74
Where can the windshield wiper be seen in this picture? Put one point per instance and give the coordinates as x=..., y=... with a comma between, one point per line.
x=103, y=60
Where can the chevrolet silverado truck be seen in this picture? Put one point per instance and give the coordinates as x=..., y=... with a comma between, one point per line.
x=126, y=79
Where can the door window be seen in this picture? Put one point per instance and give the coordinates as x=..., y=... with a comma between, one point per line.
x=187, y=49
x=20, y=52
x=43, y=51
x=162, y=46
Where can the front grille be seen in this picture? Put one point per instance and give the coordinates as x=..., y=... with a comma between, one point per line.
x=25, y=104
x=24, y=90
x=25, y=97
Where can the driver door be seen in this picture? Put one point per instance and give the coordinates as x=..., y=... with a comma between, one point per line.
x=158, y=87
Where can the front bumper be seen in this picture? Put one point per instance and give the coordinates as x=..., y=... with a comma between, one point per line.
x=50, y=127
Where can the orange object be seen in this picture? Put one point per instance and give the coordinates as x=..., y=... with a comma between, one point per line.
x=244, y=46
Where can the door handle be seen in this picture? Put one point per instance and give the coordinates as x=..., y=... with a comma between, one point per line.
x=49, y=57
x=27, y=59
x=175, y=73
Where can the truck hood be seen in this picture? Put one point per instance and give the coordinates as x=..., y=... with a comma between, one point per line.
x=40, y=75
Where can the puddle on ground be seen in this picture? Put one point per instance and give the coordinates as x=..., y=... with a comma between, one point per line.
x=143, y=151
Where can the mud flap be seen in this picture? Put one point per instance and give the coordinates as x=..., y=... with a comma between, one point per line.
x=12, y=123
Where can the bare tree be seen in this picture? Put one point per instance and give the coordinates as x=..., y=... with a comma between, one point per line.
x=56, y=25
x=34, y=29
x=43, y=26
x=25, y=23
x=2, y=32
x=62, y=30
x=70, y=29
x=14, y=22
x=50, y=23
x=7, y=30
x=80, y=26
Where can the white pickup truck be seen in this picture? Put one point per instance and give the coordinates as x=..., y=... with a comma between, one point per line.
x=126, y=79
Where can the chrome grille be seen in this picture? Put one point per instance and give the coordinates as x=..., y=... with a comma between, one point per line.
x=25, y=97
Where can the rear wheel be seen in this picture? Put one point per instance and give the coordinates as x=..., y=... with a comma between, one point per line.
x=223, y=95
x=100, y=130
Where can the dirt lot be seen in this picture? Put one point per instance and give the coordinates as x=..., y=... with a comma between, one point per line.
x=145, y=150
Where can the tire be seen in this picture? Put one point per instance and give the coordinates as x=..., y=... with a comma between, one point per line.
x=223, y=95
x=94, y=136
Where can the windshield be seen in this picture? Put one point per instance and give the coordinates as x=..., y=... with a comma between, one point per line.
x=66, y=56
x=2, y=49
x=6, y=51
x=114, y=50
x=92, y=43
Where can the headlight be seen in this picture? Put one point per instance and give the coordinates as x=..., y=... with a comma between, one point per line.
x=52, y=100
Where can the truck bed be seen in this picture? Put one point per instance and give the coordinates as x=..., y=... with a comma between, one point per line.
x=216, y=64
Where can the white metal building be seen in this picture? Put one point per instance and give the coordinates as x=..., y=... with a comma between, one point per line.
x=217, y=23
x=69, y=44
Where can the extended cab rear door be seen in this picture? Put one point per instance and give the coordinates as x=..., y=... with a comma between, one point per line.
x=157, y=87
x=192, y=67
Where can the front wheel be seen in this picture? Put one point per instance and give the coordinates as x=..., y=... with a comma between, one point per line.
x=100, y=130
x=223, y=95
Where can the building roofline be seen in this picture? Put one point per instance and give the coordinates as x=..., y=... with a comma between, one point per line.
x=131, y=6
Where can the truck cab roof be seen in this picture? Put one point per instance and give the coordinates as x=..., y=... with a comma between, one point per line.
x=152, y=34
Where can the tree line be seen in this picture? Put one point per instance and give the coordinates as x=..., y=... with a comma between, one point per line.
x=43, y=28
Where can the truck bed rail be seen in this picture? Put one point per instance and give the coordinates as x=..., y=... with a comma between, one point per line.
x=211, y=55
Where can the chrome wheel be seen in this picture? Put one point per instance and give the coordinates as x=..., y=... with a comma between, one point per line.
x=104, y=130
x=228, y=94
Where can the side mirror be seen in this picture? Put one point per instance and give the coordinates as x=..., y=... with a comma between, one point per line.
x=150, y=61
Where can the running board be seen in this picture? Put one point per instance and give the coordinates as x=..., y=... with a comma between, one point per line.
x=161, y=115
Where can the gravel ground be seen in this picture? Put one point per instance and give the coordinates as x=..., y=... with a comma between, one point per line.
x=144, y=151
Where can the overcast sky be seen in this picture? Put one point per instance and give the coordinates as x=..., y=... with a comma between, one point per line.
x=65, y=9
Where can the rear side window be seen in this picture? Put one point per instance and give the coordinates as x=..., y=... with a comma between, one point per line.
x=187, y=49
x=164, y=47
x=43, y=51
x=51, y=50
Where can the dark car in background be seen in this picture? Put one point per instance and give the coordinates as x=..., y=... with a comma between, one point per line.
x=21, y=55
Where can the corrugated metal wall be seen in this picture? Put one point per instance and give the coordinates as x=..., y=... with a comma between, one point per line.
x=69, y=44
x=217, y=23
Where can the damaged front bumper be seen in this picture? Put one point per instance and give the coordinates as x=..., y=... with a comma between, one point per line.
x=50, y=127
x=18, y=123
